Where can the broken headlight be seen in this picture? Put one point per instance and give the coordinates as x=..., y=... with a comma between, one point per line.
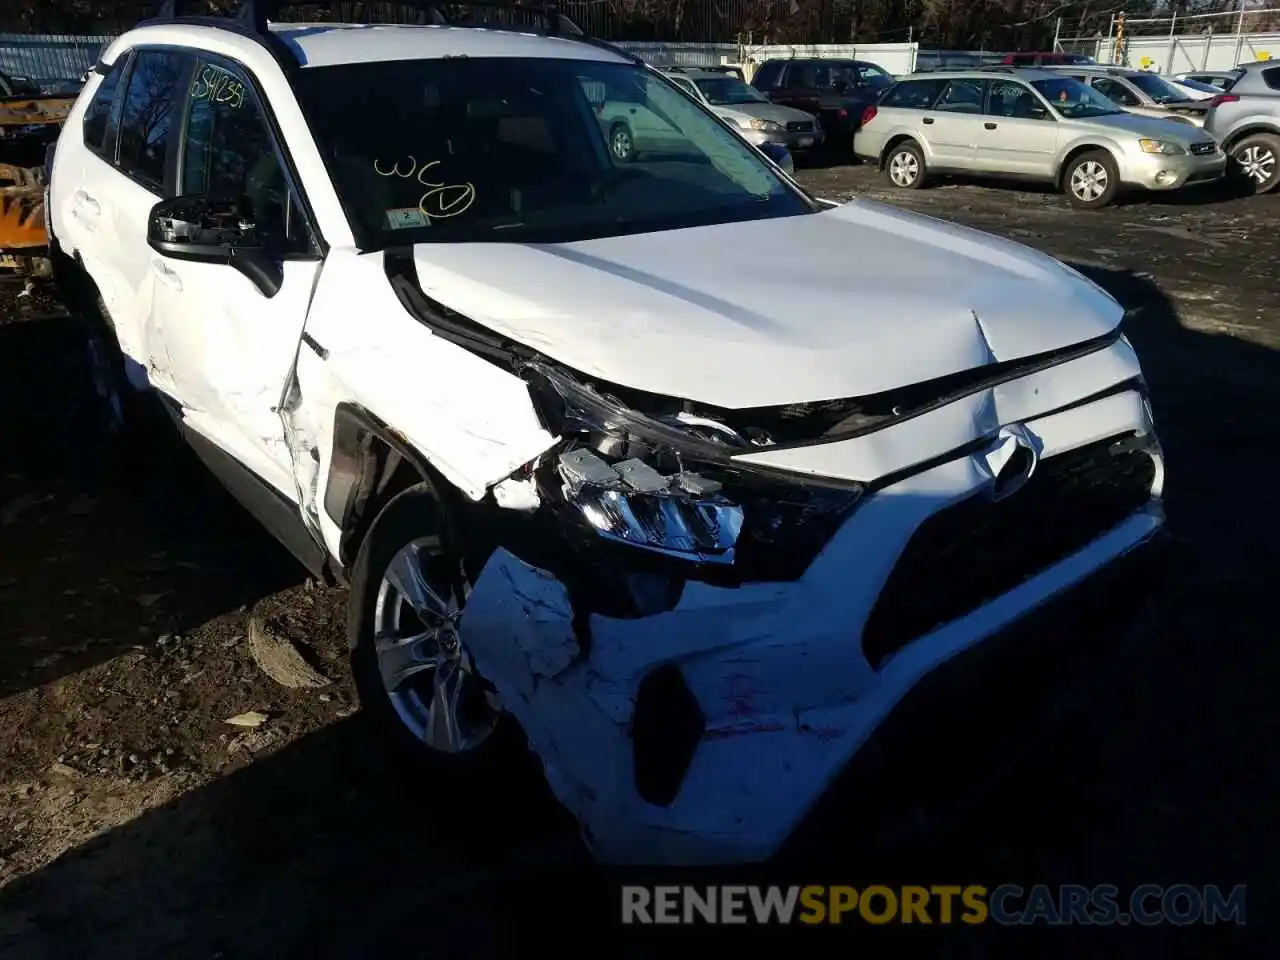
x=664, y=480
x=630, y=501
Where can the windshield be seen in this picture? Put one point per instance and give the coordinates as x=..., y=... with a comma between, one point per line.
x=528, y=151
x=722, y=91
x=1157, y=88
x=1074, y=100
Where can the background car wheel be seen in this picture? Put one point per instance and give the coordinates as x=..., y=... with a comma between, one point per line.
x=905, y=166
x=1091, y=180
x=621, y=143
x=415, y=680
x=1255, y=162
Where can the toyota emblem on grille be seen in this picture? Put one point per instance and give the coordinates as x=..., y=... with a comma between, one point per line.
x=1011, y=459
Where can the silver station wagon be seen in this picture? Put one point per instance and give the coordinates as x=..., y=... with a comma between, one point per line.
x=1032, y=124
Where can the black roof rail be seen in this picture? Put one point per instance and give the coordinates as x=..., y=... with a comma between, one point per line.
x=253, y=17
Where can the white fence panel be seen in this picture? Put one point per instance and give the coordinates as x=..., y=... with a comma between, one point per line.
x=680, y=54
x=896, y=58
x=1194, y=51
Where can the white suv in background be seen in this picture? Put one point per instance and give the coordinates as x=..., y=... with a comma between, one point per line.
x=643, y=463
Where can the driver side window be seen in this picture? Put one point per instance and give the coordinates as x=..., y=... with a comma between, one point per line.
x=228, y=153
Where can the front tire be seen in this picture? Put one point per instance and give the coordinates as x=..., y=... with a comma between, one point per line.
x=622, y=143
x=1091, y=180
x=415, y=679
x=1255, y=162
x=905, y=166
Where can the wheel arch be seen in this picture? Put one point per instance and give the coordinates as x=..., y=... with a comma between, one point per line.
x=370, y=464
x=896, y=140
x=1077, y=151
x=1248, y=130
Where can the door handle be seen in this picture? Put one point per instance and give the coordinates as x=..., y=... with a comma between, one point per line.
x=167, y=276
x=989, y=126
x=927, y=120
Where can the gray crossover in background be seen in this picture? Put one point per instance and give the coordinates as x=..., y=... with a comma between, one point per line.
x=1246, y=121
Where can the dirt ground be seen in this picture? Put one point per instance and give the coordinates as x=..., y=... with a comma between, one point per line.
x=136, y=821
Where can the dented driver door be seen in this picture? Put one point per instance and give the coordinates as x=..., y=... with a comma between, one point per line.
x=227, y=347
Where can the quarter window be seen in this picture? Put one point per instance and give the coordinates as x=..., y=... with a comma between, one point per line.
x=98, y=115
x=914, y=94
x=1271, y=77
x=146, y=120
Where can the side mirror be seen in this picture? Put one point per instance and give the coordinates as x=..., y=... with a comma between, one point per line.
x=204, y=230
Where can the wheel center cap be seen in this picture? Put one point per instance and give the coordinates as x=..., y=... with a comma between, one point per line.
x=449, y=643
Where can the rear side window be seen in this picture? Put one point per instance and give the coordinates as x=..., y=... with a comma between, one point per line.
x=98, y=114
x=148, y=114
x=962, y=96
x=1271, y=77
x=767, y=76
x=914, y=94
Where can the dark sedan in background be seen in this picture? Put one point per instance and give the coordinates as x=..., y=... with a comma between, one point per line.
x=836, y=91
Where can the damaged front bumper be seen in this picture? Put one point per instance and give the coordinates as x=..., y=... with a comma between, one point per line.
x=707, y=733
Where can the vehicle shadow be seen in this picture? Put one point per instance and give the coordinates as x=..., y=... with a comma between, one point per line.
x=1221, y=191
x=107, y=543
x=1156, y=772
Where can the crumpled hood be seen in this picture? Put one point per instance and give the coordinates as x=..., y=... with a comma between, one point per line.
x=851, y=301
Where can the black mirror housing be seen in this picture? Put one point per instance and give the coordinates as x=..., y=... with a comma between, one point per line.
x=201, y=229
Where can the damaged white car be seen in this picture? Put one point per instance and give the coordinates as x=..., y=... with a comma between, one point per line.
x=681, y=474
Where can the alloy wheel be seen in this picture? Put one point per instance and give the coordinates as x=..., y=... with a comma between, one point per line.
x=621, y=144
x=904, y=168
x=1089, y=181
x=428, y=675
x=1257, y=162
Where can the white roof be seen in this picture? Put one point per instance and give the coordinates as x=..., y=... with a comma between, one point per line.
x=328, y=44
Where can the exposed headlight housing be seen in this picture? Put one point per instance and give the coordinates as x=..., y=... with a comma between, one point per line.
x=631, y=502
x=1166, y=147
x=666, y=482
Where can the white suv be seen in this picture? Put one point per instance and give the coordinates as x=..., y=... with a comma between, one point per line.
x=664, y=467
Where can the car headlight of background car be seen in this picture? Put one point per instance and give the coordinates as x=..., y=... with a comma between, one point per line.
x=664, y=481
x=752, y=123
x=1166, y=147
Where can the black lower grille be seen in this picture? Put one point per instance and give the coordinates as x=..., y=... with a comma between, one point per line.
x=800, y=126
x=978, y=549
x=1204, y=148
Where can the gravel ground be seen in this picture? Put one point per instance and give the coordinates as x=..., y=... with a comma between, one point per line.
x=136, y=821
